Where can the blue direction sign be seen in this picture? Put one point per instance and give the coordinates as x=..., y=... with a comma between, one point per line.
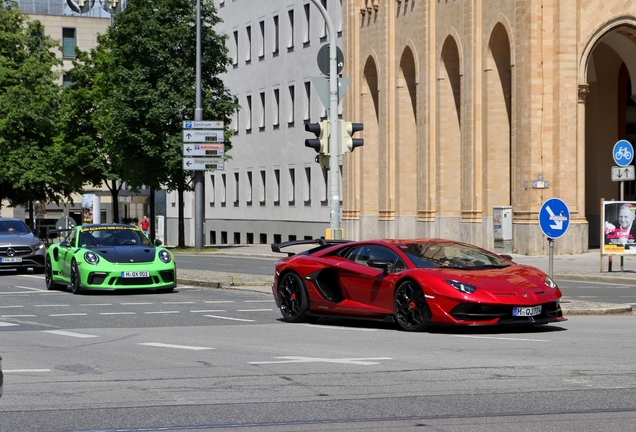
x=623, y=153
x=554, y=218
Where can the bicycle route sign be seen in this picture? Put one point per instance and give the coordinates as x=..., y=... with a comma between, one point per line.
x=554, y=218
x=623, y=153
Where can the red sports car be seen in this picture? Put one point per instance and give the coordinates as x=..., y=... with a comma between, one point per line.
x=416, y=283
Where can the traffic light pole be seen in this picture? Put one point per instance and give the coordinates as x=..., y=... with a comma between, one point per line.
x=199, y=193
x=334, y=139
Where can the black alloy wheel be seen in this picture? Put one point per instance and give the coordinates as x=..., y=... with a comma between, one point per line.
x=294, y=301
x=411, y=310
x=75, y=278
x=48, y=276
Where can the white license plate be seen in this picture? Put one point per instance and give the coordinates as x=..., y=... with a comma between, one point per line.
x=137, y=274
x=526, y=311
x=11, y=260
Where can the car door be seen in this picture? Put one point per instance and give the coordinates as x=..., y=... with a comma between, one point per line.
x=67, y=249
x=367, y=285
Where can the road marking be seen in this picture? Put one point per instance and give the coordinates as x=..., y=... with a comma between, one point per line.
x=16, y=316
x=208, y=311
x=31, y=288
x=353, y=361
x=117, y=313
x=71, y=334
x=133, y=304
x=162, y=345
x=182, y=302
x=10, y=307
x=97, y=304
x=254, y=310
x=162, y=312
x=68, y=314
x=501, y=338
x=588, y=296
x=218, y=301
x=339, y=327
x=5, y=324
x=258, y=301
x=53, y=305
x=226, y=318
x=25, y=370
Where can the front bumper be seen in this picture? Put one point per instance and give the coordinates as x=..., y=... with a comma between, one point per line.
x=112, y=279
x=481, y=314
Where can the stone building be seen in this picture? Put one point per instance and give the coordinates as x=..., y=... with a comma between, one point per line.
x=471, y=104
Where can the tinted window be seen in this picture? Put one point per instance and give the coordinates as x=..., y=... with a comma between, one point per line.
x=452, y=255
x=13, y=227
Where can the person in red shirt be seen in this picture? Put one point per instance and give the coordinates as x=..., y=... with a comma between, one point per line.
x=144, y=224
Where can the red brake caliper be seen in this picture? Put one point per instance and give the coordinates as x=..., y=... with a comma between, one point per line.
x=412, y=305
x=293, y=297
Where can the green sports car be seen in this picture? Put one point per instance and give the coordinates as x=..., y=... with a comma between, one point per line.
x=109, y=257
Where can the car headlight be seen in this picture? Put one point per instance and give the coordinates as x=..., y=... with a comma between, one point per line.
x=549, y=282
x=91, y=257
x=164, y=256
x=39, y=246
x=461, y=286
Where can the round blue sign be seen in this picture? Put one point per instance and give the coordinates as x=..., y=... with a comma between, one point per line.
x=623, y=153
x=554, y=218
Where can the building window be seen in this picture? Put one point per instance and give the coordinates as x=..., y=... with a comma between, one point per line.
x=325, y=188
x=261, y=126
x=237, y=191
x=250, y=190
x=263, y=188
x=307, y=29
x=248, y=55
x=69, y=41
x=212, y=192
x=236, y=120
x=276, y=108
x=66, y=79
x=224, y=190
x=323, y=28
x=237, y=238
x=277, y=190
x=292, y=186
x=290, y=39
x=261, y=48
x=249, y=238
x=276, y=36
x=307, y=108
x=248, y=126
x=235, y=53
x=307, y=185
x=262, y=238
x=292, y=105
x=340, y=20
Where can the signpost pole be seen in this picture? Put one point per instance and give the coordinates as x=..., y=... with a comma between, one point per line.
x=551, y=256
x=199, y=212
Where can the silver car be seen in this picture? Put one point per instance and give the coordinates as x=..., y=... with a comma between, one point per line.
x=20, y=249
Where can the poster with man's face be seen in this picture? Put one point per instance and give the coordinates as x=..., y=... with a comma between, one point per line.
x=619, y=227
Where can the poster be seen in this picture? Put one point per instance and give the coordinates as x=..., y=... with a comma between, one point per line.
x=87, y=208
x=619, y=230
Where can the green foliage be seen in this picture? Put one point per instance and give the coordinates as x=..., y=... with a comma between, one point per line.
x=29, y=106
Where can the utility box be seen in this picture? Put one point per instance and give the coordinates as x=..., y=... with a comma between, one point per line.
x=502, y=228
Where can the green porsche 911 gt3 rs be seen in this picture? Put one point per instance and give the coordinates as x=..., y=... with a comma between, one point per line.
x=109, y=257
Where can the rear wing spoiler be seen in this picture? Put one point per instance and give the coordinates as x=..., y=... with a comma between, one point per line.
x=322, y=243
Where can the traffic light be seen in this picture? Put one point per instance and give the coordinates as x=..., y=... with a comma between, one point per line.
x=347, y=142
x=321, y=142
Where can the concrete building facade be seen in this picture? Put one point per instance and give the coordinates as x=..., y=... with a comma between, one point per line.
x=468, y=105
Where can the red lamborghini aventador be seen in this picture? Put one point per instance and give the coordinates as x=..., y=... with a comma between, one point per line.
x=416, y=283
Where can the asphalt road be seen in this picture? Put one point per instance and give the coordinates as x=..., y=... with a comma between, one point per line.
x=208, y=359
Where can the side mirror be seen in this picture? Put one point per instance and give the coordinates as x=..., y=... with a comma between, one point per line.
x=65, y=243
x=157, y=242
x=379, y=263
x=507, y=257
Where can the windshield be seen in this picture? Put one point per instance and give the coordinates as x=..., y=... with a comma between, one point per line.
x=13, y=227
x=452, y=255
x=112, y=236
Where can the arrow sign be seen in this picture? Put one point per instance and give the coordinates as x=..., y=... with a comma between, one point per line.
x=554, y=218
x=203, y=136
x=203, y=163
x=191, y=124
x=203, y=149
x=623, y=173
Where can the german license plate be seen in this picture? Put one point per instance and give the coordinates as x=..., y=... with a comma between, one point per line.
x=11, y=260
x=135, y=274
x=526, y=311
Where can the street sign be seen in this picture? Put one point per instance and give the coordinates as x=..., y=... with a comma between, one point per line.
x=623, y=153
x=554, y=218
x=202, y=136
x=203, y=150
x=191, y=124
x=324, y=61
x=203, y=163
x=623, y=173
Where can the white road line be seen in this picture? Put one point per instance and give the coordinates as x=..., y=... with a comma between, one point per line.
x=53, y=305
x=71, y=334
x=134, y=304
x=218, y=301
x=97, y=304
x=25, y=370
x=10, y=307
x=5, y=324
x=339, y=327
x=68, y=314
x=173, y=303
x=162, y=312
x=117, y=313
x=588, y=296
x=162, y=345
x=352, y=361
x=208, y=311
x=501, y=338
x=31, y=288
x=17, y=316
x=259, y=301
x=254, y=310
x=226, y=318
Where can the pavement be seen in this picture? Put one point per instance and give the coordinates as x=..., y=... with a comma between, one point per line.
x=580, y=267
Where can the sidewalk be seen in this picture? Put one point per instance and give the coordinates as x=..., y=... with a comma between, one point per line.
x=582, y=267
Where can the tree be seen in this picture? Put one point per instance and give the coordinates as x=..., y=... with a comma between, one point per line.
x=29, y=105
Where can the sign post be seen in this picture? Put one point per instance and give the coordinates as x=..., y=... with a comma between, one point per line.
x=554, y=220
